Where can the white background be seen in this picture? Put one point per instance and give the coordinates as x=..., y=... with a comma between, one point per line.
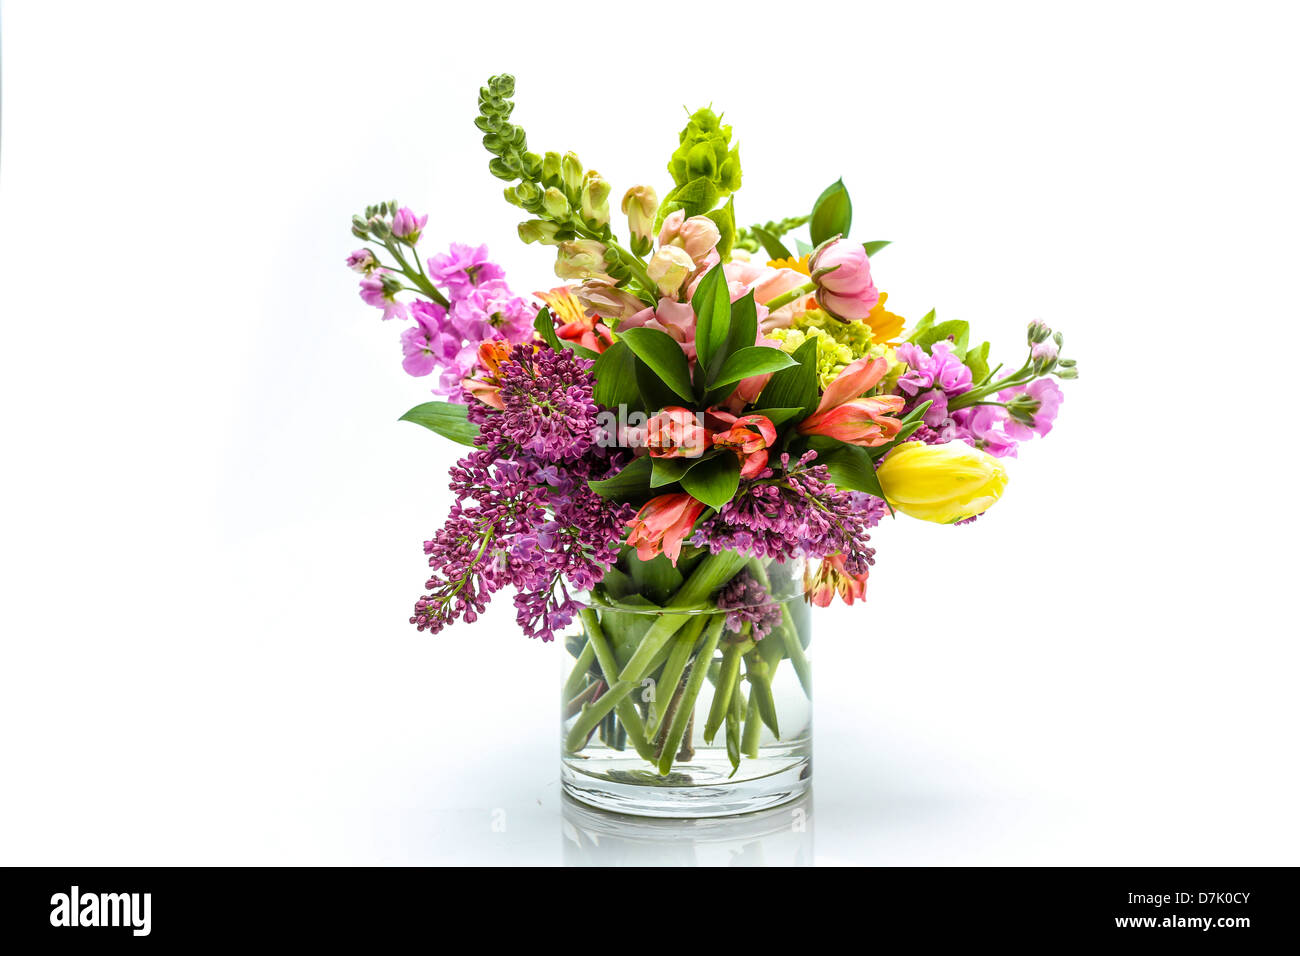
x=212, y=519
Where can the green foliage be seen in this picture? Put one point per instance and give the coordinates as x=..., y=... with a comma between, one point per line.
x=874, y=247
x=748, y=238
x=663, y=355
x=746, y=363
x=712, y=305
x=852, y=469
x=446, y=419
x=705, y=167
x=977, y=360
x=724, y=217
x=714, y=480
x=796, y=386
x=615, y=372
x=832, y=214
x=632, y=482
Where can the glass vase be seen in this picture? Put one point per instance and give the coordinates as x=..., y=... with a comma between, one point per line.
x=688, y=689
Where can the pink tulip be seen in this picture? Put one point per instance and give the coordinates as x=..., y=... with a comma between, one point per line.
x=843, y=276
x=662, y=524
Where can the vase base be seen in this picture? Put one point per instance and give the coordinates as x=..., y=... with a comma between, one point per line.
x=696, y=789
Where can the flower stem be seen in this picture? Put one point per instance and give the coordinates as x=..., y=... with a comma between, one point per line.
x=683, y=645
x=753, y=727
x=579, y=673
x=790, y=637
x=785, y=298
x=727, y=678
x=686, y=704
x=614, y=698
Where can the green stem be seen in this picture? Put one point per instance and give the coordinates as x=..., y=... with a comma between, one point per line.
x=683, y=645
x=794, y=649
x=760, y=692
x=578, y=676
x=753, y=727
x=727, y=678
x=686, y=705
x=614, y=698
x=785, y=298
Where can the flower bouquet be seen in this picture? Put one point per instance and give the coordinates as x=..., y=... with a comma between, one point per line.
x=681, y=449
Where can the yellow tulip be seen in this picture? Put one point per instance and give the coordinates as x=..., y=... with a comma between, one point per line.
x=941, y=483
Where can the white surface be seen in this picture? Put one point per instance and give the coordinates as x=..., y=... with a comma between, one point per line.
x=212, y=520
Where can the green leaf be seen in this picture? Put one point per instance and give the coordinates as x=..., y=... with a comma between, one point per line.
x=874, y=247
x=713, y=481
x=911, y=422
x=832, y=214
x=923, y=326
x=773, y=246
x=977, y=360
x=744, y=325
x=615, y=372
x=545, y=326
x=656, y=579
x=724, y=217
x=666, y=471
x=956, y=329
x=712, y=305
x=779, y=416
x=654, y=393
x=852, y=469
x=663, y=355
x=755, y=360
x=803, y=248
x=632, y=482
x=794, y=387
x=446, y=419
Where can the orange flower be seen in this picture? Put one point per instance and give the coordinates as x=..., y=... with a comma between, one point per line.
x=675, y=433
x=749, y=437
x=841, y=414
x=662, y=524
x=487, y=386
x=830, y=579
x=576, y=325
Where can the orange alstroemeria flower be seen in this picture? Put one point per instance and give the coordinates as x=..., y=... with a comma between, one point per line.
x=843, y=415
x=676, y=432
x=831, y=579
x=749, y=437
x=486, y=387
x=662, y=524
x=575, y=324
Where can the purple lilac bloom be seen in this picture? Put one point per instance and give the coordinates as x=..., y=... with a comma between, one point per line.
x=1048, y=396
x=463, y=268
x=363, y=261
x=746, y=601
x=524, y=515
x=374, y=293
x=794, y=512
x=407, y=225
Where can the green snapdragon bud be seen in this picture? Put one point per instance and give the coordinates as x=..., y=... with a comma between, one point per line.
x=594, y=201
x=640, y=203
x=571, y=173
x=551, y=175
x=555, y=204
x=538, y=230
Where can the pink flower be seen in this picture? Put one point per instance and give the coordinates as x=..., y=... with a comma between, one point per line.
x=984, y=426
x=940, y=369
x=1048, y=395
x=363, y=261
x=698, y=236
x=662, y=524
x=749, y=437
x=463, y=268
x=675, y=432
x=832, y=578
x=407, y=225
x=675, y=318
x=425, y=345
x=842, y=415
x=375, y=291
x=843, y=276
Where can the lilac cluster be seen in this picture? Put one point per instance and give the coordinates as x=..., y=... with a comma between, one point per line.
x=524, y=515
x=746, y=601
x=478, y=306
x=793, y=512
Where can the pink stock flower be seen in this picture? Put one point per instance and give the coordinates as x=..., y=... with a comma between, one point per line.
x=749, y=437
x=843, y=415
x=662, y=524
x=842, y=272
x=463, y=267
x=363, y=261
x=407, y=225
x=1049, y=397
x=984, y=426
x=425, y=345
x=375, y=292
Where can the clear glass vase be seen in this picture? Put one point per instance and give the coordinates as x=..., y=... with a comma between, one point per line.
x=688, y=690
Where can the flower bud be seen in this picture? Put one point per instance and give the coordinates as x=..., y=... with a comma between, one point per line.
x=551, y=170
x=607, y=300
x=571, y=174
x=359, y=228
x=580, y=259
x=1038, y=331
x=842, y=273
x=538, y=230
x=378, y=227
x=407, y=225
x=941, y=483
x=594, y=201
x=669, y=268
x=555, y=204
x=640, y=203
x=363, y=261
x=698, y=235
